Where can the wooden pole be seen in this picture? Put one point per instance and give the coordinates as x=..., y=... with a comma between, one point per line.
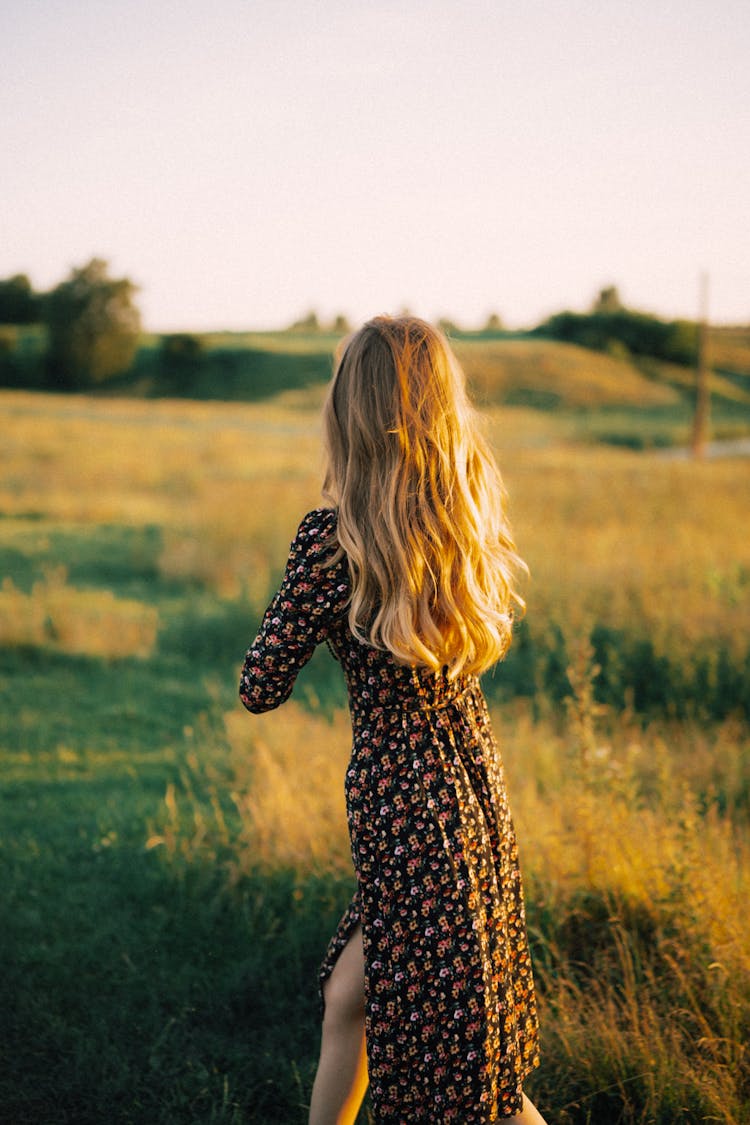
x=701, y=418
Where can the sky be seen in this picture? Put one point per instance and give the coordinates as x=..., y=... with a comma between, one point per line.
x=246, y=161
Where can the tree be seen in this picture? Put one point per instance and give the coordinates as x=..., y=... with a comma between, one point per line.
x=181, y=350
x=309, y=323
x=93, y=327
x=493, y=323
x=19, y=304
x=608, y=301
x=181, y=358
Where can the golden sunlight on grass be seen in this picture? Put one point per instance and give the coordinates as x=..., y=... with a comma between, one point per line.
x=616, y=536
x=572, y=374
x=604, y=807
x=233, y=544
x=636, y=885
x=91, y=622
x=610, y=535
x=178, y=464
x=291, y=804
x=284, y=774
x=618, y=816
x=636, y=882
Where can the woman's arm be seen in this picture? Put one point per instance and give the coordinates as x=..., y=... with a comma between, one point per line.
x=298, y=619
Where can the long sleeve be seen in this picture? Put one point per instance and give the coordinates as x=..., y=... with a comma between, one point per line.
x=311, y=597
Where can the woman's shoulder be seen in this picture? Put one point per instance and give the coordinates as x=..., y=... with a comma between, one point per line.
x=320, y=523
x=320, y=517
x=316, y=536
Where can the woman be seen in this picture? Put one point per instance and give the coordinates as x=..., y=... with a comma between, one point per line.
x=409, y=578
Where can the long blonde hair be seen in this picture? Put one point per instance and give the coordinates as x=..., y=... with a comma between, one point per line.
x=421, y=504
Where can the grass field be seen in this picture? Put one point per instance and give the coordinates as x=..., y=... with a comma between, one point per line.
x=165, y=902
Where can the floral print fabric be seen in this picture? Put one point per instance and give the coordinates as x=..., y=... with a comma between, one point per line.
x=451, y=1021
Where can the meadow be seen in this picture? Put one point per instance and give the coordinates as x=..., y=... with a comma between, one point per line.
x=172, y=867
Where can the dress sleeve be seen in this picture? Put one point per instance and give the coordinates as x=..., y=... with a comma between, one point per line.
x=311, y=596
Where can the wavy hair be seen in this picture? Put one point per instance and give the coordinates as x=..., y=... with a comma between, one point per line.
x=421, y=504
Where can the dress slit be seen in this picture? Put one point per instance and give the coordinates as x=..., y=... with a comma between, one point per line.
x=343, y=933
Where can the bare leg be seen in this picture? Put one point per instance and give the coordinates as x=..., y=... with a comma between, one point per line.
x=529, y=1115
x=341, y=1080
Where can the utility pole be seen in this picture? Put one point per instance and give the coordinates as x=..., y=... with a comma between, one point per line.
x=701, y=418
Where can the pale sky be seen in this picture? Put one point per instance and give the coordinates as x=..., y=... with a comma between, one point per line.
x=245, y=161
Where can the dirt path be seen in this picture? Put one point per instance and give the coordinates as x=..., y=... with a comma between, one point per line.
x=740, y=447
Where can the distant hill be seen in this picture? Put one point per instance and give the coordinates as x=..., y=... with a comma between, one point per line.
x=529, y=372
x=526, y=370
x=547, y=374
x=516, y=370
x=729, y=350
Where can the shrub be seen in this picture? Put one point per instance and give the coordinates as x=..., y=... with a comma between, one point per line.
x=623, y=329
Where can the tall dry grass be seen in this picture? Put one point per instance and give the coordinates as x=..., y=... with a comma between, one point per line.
x=56, y=616
x=611, y=536
x=281, y=786
x=625, y=539
x=177, y=464
x=637, y=867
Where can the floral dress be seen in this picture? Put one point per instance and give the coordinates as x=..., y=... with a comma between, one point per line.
x=451, y=1023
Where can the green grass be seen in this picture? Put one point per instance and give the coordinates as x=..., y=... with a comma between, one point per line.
x=138, y=994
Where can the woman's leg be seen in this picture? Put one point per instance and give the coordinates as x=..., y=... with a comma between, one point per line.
x=529, y=1115
x=341, y=1079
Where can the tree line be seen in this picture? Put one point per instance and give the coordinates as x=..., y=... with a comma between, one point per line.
x=91, y=331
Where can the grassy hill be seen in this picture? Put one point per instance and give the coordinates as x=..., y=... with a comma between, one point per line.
x=613, y=398
x=547, y=374
x=729, y=349
x=524, y=371
x=537, y=373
